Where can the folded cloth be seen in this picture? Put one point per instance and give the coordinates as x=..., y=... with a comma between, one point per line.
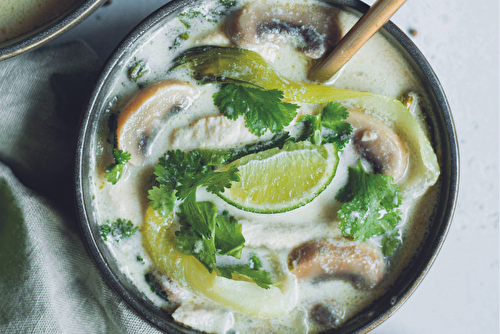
x=48, y=282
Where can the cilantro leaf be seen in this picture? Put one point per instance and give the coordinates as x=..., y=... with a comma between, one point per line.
x=390, y=242
x=262, y=109
x=370, y=206
x=204, y=233
x=215, y=181
x=196, y=236
x=115, y=171
x=162, y=199
x=255, y=262
x=328, y=126
x=260, y=277
x=121, y=227
x=229, y=238
x=182, y=173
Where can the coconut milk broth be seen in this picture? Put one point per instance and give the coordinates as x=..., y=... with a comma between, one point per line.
x=376, y=68
x=21, y=16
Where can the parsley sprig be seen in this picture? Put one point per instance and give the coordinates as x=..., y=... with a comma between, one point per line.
x=262, y=109
x=370, y=206
x=328, y=126
x=114, y=171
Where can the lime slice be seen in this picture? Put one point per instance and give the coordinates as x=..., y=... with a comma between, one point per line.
x=279, y=180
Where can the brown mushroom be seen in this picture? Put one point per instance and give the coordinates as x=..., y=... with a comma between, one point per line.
x=141, y=117
x=379, y=144
x=315, y=28
x=359, y=262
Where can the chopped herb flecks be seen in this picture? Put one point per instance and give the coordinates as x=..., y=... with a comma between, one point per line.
x=120, y=228
x=137, y=70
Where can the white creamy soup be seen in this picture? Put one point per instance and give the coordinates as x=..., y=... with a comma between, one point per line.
x=228, y=187
x=21, y=16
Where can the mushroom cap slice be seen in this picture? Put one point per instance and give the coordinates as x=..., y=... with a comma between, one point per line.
x=315, y=28
x=379, y=144
x=360, y=262
x=142, y=116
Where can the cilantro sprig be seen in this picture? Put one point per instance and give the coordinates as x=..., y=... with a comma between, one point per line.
x=328, y=126
x=204, y=232
x=114, y=171
x=262, y=109
x=370, y=206
x=181, y=173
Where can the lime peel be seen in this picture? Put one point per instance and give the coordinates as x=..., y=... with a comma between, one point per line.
x=279, y=180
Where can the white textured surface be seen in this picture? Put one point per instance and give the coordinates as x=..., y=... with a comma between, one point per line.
x=460, y=39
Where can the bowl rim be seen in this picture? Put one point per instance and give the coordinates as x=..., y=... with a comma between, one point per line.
x=48, y=31
x=426, y=256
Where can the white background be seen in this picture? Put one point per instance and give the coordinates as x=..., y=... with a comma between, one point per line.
x=460, y=39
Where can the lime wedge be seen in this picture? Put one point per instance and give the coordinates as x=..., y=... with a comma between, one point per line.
x=279, y=180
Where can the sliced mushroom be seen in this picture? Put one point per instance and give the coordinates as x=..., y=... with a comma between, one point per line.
x=165, y=289
x=315, y=28
x=142, y=116
x=379, y=144
x=212, y=132
x=323, y=315
x=359, y=262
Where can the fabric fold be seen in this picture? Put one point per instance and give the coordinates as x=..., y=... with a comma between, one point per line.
x=48, y=282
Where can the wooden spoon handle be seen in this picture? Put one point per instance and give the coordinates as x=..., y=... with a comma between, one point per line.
x=363, y=30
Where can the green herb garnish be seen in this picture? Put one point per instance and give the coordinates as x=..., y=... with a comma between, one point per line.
x=114, y=171
x=263, y=109
x=328, y=126
x=205, y=233
x=390, y=242
x=182, y=173
x=370, y=206
x=260, y=277
x=121, y=228
x=137, y=70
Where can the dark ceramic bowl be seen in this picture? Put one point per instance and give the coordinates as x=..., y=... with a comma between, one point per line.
x=443, y=138
x=50, y=30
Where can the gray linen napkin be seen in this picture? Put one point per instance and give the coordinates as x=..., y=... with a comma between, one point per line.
x=48, y=282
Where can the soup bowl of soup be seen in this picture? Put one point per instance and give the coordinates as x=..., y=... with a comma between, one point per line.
x=221, y=191
x=27, y=24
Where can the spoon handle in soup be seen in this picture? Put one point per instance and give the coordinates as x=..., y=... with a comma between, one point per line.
x=360, y=33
